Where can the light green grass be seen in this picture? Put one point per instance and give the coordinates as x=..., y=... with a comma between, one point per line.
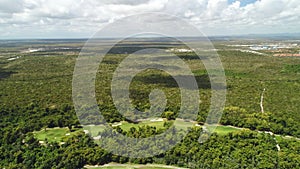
x=59, y=134
x=179, y=124
x=55, y=134
x=184, y=125
x=158, y=124
x=94, y=130
x=223, y=130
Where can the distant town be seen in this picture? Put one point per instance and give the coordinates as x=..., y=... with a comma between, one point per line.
x=276, y=49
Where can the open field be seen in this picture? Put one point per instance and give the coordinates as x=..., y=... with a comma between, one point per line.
x=55, y=134
x=126, y=126
x=223, y=130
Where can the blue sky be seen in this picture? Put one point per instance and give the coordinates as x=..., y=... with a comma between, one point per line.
x=82, y=18
x=243, y=2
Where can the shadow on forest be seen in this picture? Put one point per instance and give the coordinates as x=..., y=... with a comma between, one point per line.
x=203, y=81
x=130, y=50
x=5, y=74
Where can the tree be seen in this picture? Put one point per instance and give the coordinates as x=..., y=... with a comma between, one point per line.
x=170, y=115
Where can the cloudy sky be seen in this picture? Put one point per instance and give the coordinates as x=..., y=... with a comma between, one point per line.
x=82, y=18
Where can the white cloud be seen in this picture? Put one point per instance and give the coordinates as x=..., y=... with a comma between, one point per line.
x=7, y=6
x=82, y=17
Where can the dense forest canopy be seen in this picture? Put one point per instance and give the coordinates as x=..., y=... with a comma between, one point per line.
x=36, y=94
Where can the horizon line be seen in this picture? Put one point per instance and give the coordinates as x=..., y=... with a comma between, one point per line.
x=258, y=35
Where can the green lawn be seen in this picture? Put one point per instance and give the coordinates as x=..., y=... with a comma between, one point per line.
x=180, y=124
x=94, y=130
x=223, y=130
x=61, y=134
x=55, y=134
x=158, y=124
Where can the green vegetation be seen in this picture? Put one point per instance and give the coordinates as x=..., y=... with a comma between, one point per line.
x=61, y=134
x=36, y=97
x=132, y=166
x=291, y=69
x=94, y=130
x=126, y=126
x=55, y=134
x=224, y=130
x=128, y=167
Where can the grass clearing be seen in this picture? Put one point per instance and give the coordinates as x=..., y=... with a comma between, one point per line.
x=158, y=124
x=223, y=130
x=55, y=134
x=181, y=124
x=94, y=129
x=61, y=134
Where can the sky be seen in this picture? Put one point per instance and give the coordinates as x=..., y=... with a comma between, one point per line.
x=82, y=18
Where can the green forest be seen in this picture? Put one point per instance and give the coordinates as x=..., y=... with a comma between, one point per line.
x=36, y=98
